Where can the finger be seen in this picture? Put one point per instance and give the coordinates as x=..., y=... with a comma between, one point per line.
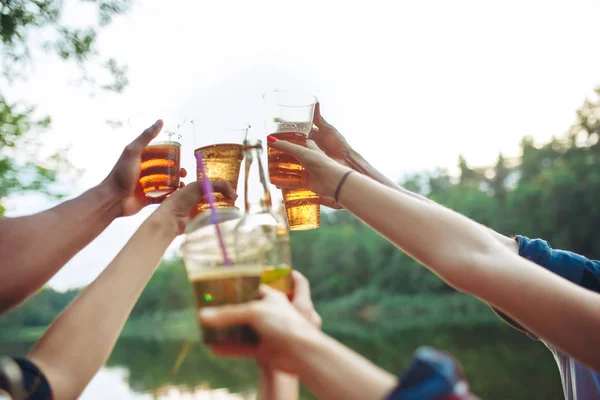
x=235, y=351
x=317, y=114
x=313, y=146
x=328, y=202
x=156, y=200
x=301, y=286
x=299, y=152
x=145, y=138
x=316, y=319
x=182, y=173
x=269, y=294
x=184, y=199
x=235, y=314
x=302, y=300
x=225, y=188
x=181, y=184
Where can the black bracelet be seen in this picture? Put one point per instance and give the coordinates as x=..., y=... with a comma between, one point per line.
x=339, y=186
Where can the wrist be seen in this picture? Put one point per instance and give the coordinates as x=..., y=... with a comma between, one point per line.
x=336, y=173
x=110, y=198
x=163, y=223
x=304, y=345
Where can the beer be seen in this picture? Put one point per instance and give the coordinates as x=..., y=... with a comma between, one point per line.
x=159, y=174
x=221, y=162
x=302, y=208
x=283, y=168
x=227, y=285
x=279, y=278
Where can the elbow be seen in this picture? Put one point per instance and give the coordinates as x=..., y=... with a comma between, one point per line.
x=473, y=270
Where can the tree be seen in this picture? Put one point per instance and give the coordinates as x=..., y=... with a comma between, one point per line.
x=498, y=181
x=21, y=169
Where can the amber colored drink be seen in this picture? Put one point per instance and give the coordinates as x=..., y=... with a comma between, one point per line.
x=160, y=168
x=222, y=287
x=279, y=278
x=283, y=168
x=302, y=208
x=221, y=162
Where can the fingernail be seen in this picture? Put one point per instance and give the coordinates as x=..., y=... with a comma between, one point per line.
x=271, y=139
x=208, y=312
x=157, y=122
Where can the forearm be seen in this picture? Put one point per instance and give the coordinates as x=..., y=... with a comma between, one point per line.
x=79, y=342
x=274, y=385
x=332, y=371
x=439, y=238
x=358, y=163
x=467, y=256
x=35, y=247
x=551, y=307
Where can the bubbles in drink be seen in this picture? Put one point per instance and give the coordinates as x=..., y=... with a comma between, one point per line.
x=286, y=126
x=303, y=209
x=221, y=162
x=283, y=168
x=159, y=174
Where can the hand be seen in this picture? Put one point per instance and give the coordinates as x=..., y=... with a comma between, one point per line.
x=275, y=319
x=124, y=177
x=179, y=207
x=324, y=174
x=329, y=139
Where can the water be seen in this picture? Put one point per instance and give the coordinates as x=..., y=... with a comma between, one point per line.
x=499, y=362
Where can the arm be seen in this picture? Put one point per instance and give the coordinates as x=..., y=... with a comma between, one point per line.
x=79, y=342
x=468, y=257
x=291, y=343
x=275, y=385
x=359, y=164
x=464, y=254
x=333, y=371
x=56, y=235
x=333, y=143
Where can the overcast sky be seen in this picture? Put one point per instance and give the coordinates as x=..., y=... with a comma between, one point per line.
x=410, y=84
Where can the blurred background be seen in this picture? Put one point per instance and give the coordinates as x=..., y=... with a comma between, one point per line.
x=490, y=108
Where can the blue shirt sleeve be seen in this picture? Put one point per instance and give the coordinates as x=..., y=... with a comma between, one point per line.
x=432, y=375
x=574, y=267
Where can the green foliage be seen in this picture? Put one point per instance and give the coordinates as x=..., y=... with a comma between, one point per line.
x=37, y=312
x=21, y=168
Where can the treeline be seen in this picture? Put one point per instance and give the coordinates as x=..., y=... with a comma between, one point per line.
x=551, y=191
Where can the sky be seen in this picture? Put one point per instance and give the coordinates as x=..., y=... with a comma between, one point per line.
x=410, y=84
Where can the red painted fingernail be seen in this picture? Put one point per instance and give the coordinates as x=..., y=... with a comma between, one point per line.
x=271, y=139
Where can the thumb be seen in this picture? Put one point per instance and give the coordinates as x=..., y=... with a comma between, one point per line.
x=317, y=114
x=184, y=199
x=146, y=137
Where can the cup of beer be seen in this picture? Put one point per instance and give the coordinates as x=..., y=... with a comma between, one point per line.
x=221, y=146
x=302, y=208
x=161, y=159
x=289, y=116
x=214, y=283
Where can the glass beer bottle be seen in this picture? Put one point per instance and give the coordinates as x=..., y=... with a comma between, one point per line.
x=261, y=237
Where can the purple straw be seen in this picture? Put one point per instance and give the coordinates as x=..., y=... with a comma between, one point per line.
x=208, y=190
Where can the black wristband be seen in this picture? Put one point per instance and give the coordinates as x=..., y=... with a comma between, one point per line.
x=339, y=186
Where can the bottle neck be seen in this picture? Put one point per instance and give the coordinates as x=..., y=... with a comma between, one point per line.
x=257, y=196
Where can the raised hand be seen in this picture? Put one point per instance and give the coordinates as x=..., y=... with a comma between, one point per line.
x=123, y=180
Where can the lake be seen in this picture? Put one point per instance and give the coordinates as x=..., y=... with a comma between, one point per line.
x=499, y=363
